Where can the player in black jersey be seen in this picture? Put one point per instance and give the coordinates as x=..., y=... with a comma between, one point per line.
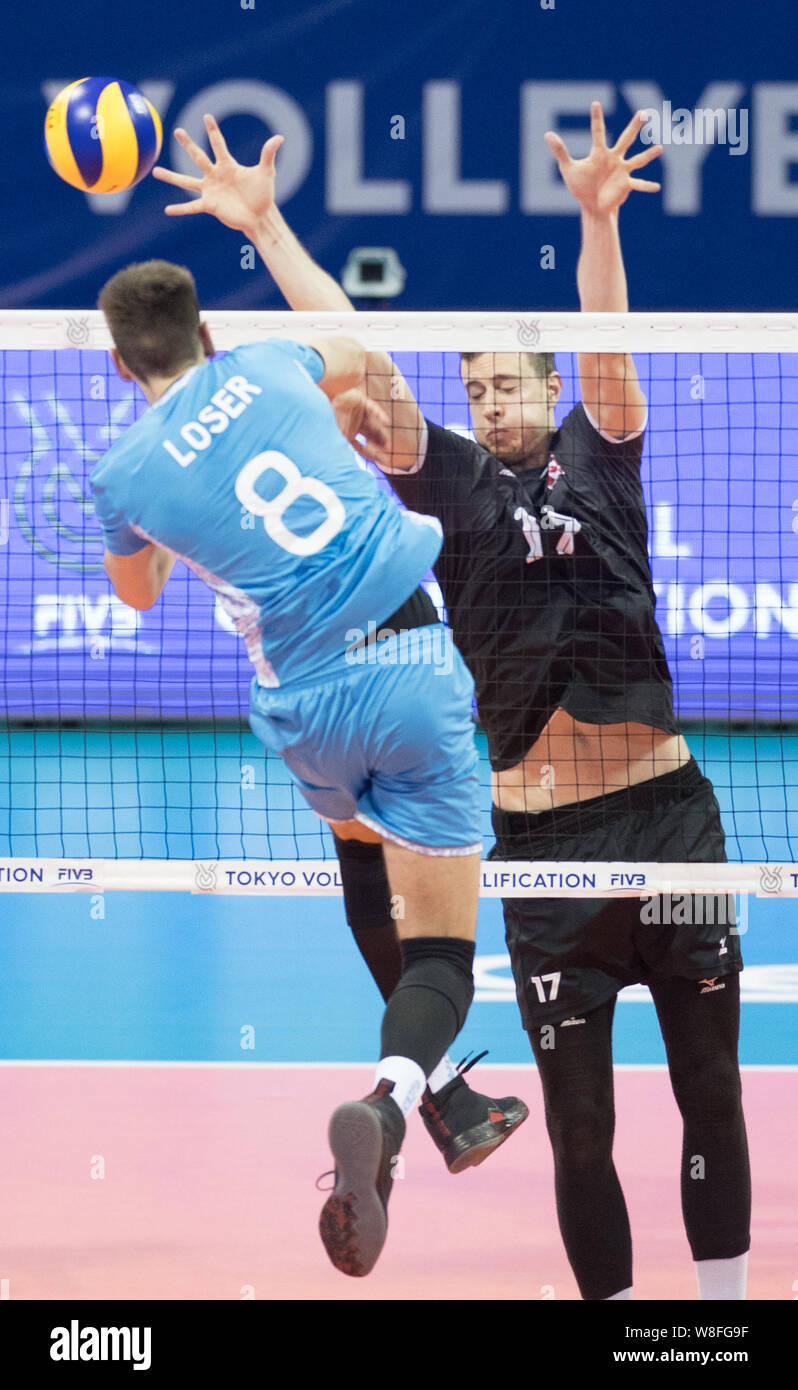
x=545, y=575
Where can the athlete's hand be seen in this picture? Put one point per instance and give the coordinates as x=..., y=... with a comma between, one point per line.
x=604, y=180
x=359, y=416
x=238, y=195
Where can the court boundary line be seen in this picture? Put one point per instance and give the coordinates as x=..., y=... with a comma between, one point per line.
x=8, y=1062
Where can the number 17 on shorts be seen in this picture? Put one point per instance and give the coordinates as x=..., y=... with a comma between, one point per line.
x=547, y=986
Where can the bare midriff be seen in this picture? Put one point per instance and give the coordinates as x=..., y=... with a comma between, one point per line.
x=573, y=762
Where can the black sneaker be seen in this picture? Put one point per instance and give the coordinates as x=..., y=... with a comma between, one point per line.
x=365, y=1137
x=465, y=1125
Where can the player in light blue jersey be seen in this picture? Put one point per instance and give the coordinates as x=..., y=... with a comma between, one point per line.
x=387, y=743
x=251, y=432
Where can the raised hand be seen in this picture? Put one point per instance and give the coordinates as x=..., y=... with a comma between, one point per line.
x=364, y=423
x=604, y=179
x=236, y=194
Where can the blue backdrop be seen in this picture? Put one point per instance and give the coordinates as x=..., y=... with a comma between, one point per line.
x=420, y=127
x=721, y=480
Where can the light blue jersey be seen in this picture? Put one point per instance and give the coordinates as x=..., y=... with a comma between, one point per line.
x=240, y=470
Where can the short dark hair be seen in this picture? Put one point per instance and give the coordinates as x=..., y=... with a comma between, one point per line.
x=543, y=362
x=153, y=314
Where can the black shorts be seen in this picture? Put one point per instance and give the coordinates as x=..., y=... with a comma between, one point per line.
x=570, y=955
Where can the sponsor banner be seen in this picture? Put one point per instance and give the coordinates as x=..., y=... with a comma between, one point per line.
x=410, y=132
x=724, y=558
x=671, y=885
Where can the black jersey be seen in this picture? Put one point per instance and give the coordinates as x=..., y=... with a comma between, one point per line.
x=547, y=584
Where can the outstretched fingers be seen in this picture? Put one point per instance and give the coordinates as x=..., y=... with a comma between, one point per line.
x=216, y=139
x=192, y=148
x=630, y=133
x=183, y=209
x=187, y=181
x=269, y=152
x=557, y=147
x=645, y=157
x=597, y=130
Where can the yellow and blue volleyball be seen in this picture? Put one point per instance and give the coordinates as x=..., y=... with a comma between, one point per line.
x=102, y=135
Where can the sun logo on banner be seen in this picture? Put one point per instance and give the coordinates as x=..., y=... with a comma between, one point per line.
x=770, y=878
x=51, y=498
x=78, y=332
x=205, y=876
x=528, y=333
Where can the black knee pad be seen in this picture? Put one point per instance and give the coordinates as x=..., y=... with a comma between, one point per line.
x=367, y=893
x=582, y=1135
x=710, y=1093
x=443, y=965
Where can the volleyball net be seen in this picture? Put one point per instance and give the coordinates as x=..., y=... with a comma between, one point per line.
x=126, y=759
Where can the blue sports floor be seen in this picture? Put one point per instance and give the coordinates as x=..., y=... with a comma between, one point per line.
x=172, y=977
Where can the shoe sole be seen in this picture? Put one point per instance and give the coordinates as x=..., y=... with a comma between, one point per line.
x=353, y=1223
x=477, y=1144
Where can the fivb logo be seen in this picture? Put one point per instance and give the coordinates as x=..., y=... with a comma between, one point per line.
x=78, y=621
x=76, y=1343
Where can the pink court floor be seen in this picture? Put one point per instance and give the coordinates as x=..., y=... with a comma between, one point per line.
x=198, y=1182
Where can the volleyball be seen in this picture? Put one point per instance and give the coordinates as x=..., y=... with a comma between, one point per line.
x=102, y=135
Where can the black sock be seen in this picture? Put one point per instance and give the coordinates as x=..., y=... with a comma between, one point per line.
x=429, y=1005
x=367, y=904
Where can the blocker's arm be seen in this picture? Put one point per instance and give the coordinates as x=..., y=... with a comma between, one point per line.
x=601, y=183
x=242, y=197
